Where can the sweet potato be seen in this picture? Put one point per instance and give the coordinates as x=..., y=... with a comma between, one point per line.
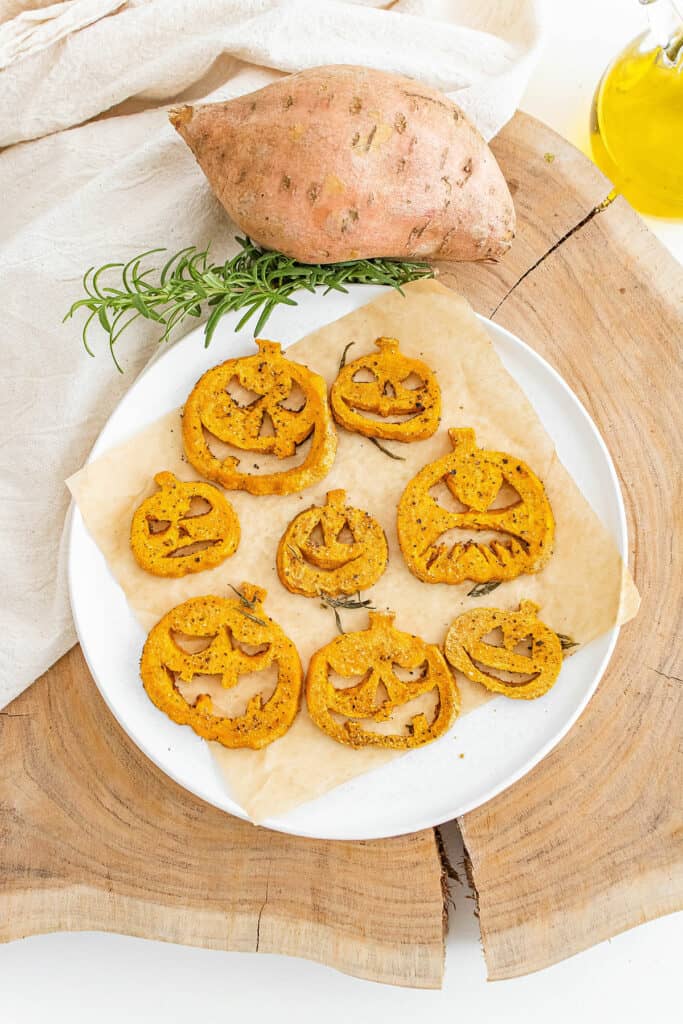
x=343, y=162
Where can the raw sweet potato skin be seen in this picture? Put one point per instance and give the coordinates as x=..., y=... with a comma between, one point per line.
x=344, y=162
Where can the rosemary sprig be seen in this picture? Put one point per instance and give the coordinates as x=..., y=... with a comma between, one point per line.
x=249, y=604
x=342, y=361
x=566, y=642
x=482, y=589
x=392, y=455
x=188, y=284
x=352, y=603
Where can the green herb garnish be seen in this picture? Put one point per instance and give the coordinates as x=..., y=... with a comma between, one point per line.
x=335, y=603
x=254, y=280
x=566, y=642
x=342, y=361
x=482, y=589
x=392, y=455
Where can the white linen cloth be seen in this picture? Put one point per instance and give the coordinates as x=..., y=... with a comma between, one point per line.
x=86, y=194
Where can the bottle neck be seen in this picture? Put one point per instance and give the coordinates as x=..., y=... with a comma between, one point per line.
x=665, y=19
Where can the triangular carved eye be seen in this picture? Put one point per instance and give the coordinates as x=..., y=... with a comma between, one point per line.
x=412, y=382
x=295, y=400
x=198, y=507
x=157, y=525
x=345, y=535
x=240, y=395
x=192, y=644
x=316, y=537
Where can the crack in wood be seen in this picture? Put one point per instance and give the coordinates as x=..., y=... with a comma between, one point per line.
x=260, y=913
x=665, y=675
x=607, y=201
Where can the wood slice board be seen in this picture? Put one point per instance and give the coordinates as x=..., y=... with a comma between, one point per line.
x=95, y=837
x=590, y=843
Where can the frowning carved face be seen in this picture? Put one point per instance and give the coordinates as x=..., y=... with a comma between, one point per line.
x=234, y=637
x=474, y=477
x=268, y=425
x=388, y=395
x=380, y=657
x=169, y=537
x=350, y=553
x=529, y=673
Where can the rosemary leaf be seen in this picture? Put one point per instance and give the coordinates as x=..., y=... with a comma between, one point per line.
x=342, y=361
x=253, y=618
x=243, y=598
x=392, y=455
x=188, y=285
x=482, y=589
x=566, y=642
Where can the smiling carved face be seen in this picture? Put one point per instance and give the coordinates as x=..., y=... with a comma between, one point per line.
x=268, y=425
x=225, y=639
x=349, y=554
x=392, y=669
x=388, y=395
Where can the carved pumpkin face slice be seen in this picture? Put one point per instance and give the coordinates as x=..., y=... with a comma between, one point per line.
x=167, y=539
x=378, y=384
x=337, y=564
x=474, y=477
x=532, y=673
x=377, y=655
x=269, y=425
x=236, y=638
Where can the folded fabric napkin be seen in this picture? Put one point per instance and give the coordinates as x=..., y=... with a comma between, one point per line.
x=83, y=194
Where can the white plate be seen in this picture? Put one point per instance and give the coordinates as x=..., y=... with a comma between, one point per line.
x=501, y=741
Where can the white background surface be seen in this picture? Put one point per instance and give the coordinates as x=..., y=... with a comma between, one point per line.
x=635, y=977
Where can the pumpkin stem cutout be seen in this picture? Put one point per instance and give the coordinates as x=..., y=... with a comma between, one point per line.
x=333, y=566
x=267, y=426
x=474, y=477
x=168, y=539
x=467, y=650
x=236, y=638
x=376, y=655
x=384, y=393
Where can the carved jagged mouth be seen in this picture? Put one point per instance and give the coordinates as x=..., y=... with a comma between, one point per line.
x=436, y=552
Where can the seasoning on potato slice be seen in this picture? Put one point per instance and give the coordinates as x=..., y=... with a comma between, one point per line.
x=270, y=424
x=475, y=481
x=236, y=638
x=387, y=394
x=349, y=555
x=169, y=536
x=530, y=673
x=393, y=669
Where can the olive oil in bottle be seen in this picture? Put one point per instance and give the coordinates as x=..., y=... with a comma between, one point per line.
x=637, y=115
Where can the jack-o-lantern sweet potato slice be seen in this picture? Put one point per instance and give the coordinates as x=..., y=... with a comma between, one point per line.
x=267, y=426
x=372, y=396
x=378, y=657
x=474, y=477
x=337, y=564
x=168, y=538
x=237, y=638
x=530, y=673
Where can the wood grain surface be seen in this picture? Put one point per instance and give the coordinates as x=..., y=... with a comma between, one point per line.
x=94, y=836
x=590, y=843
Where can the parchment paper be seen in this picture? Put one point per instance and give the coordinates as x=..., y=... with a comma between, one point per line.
x=583, y=591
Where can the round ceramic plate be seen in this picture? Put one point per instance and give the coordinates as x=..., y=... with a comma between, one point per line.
x=501, y=741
